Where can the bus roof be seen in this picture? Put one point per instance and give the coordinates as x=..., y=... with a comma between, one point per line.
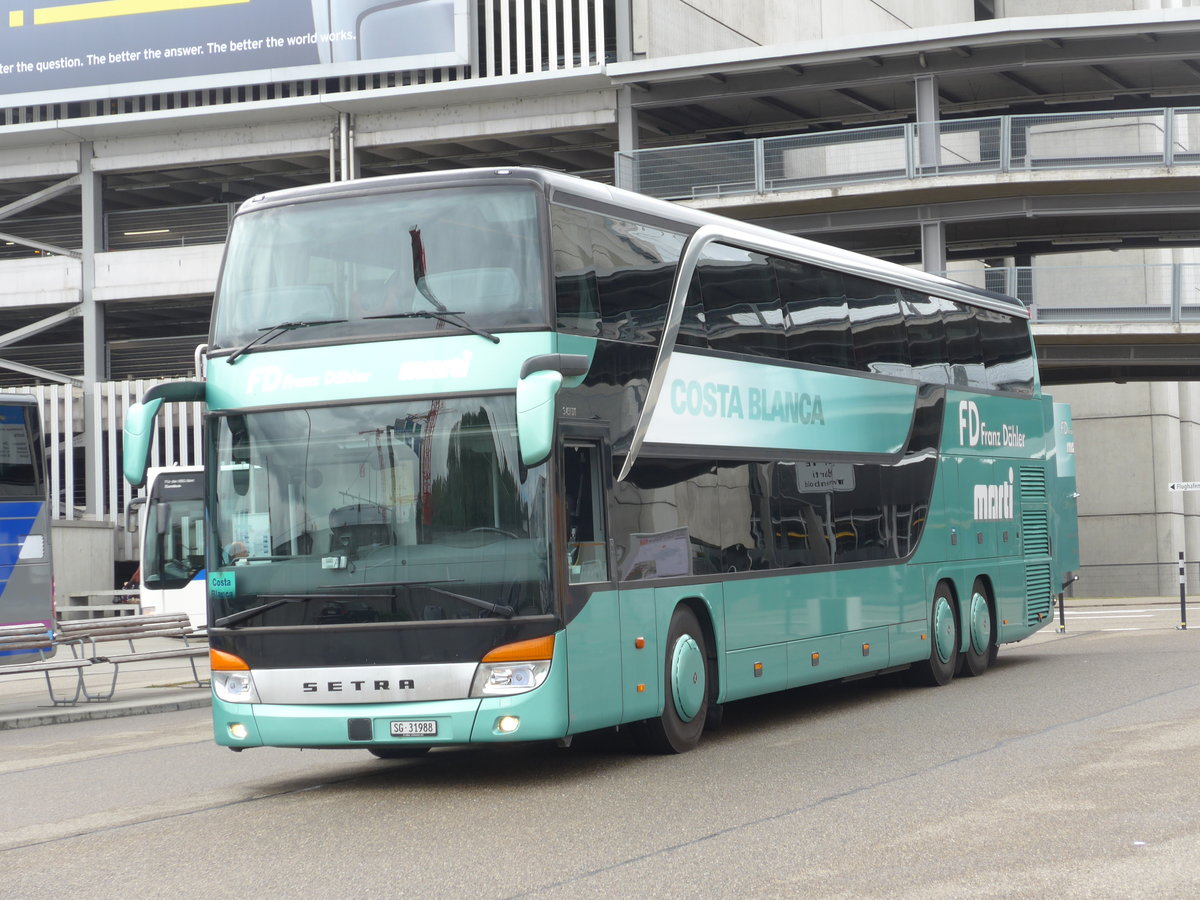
x=561, y=186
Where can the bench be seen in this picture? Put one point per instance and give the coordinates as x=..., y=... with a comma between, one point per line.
x=128, y=629
x=37, y=638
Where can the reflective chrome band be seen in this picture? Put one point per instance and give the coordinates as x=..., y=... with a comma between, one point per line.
x=365, y=684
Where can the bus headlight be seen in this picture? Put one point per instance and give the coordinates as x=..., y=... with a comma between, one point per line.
x=514, y=668
x=503, y=679
x=234, y=687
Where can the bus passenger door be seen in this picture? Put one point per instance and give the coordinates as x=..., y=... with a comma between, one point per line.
x=593, y=616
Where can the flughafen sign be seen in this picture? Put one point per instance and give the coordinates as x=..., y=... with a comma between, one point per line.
x=59, y=50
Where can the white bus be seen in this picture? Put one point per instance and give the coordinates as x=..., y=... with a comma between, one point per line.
x=171, y=524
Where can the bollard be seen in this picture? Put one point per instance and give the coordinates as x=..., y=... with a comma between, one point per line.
x=1182, y=594
x=1062, y=612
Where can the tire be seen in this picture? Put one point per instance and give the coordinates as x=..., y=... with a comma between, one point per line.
x=981, y=631
x=397, y=752
x=685, y=688
x=943, y=633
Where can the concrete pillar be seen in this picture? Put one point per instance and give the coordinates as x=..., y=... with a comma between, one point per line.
x=933, y=247
x=95, y=357
x=624, y=27
x=627, y=139
x=928, y=114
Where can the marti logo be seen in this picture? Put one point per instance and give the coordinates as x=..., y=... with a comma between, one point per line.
x=994, y=502
x=974, y=432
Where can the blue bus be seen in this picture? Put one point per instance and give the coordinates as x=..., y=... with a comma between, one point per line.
x=506, y=455
x=26, y=580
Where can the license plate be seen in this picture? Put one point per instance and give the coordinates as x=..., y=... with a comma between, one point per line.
x=415, y=728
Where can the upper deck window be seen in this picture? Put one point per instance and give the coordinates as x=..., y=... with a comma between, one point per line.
x=373, y=265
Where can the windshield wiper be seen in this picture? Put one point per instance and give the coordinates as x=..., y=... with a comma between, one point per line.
x=497, y=608
x=449, y=316
x=418, y=266
x=279, y=600
x=443, y=314
x=269, y=334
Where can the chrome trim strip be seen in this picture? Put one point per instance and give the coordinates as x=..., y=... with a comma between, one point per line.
x=688, y=260
x=365, y=684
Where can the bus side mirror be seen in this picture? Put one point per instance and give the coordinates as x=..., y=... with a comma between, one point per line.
x=139, y=424
x=138, y=438
x=535, y=414
x=541, y=377
x=131, y=514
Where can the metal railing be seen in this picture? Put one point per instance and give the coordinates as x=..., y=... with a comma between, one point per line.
x=996, y=144
x=1167, y=292
x=136, y=229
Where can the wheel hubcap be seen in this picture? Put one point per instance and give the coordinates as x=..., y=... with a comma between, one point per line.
x=687, y=677
x=943, y=629
x=981, y=623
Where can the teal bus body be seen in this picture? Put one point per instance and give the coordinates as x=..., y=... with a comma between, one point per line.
x=563, y=487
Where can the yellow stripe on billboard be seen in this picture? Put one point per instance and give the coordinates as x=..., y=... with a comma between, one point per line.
x=104, y=9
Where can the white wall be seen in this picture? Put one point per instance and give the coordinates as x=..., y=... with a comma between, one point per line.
x=83, y=557
x=1132, y=441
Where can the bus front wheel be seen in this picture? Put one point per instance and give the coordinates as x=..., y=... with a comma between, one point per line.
x=943, y=655
x=685, y=688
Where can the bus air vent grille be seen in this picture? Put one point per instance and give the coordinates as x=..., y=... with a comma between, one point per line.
x=1033, y=484
x=1035, y=529
x=1038, y=598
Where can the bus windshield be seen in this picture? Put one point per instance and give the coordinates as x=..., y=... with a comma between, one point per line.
x=173, y=552
x=387, y=512
x=20, y=449
x=383, y=264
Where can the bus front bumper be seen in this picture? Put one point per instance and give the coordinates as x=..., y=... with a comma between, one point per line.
x=540, y=714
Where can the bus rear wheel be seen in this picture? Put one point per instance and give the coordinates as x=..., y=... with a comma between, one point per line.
x=685, y=688
x=943, y=655
x=981, y=631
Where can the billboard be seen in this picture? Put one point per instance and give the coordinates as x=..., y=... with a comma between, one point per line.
x=61, y=50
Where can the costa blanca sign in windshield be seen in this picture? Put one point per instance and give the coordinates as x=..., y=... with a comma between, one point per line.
x=54, y=50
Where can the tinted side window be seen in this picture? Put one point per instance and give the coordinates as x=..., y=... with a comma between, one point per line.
x=1007, y=351
x=693, y=330
x=741, y=303
x=613, y=276
x=963, y=348
x=742, y=488
x=666, y=521
x=799, y=517
x=816, y=321
x=926, y=337
x=635, y=265
x=877, y=326
x=577, y=298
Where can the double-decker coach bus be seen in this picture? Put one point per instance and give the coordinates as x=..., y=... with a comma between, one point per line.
x=503, y=455
x=26, y=580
